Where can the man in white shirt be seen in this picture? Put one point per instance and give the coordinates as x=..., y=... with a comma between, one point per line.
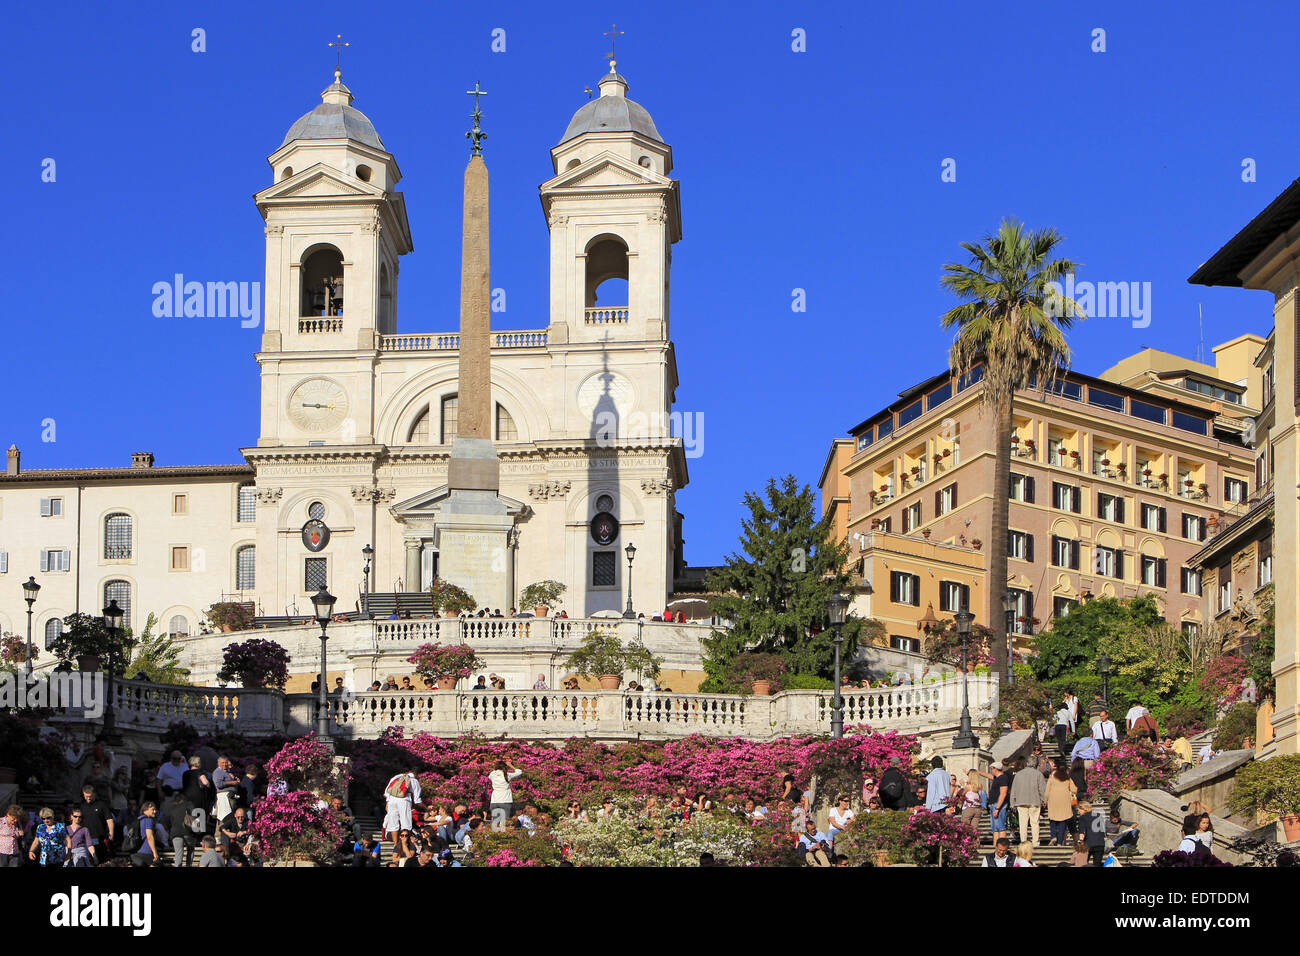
x=401, y=794
x=1134, y=713
x=1063, y=729
x=1104, y=731
x=172, y=773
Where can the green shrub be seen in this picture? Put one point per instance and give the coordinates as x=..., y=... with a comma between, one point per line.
x=806, y=682
x=869, y=833
x=1234, y=727
x=1269, y=785
x=1181, y=720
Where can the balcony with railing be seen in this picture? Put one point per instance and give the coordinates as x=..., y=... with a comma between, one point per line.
x=612, y=316
x=450, y=341
x=312, y=326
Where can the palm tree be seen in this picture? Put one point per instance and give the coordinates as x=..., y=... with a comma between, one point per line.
x=1011, y=321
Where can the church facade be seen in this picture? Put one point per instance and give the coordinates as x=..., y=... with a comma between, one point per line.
x=359, y=411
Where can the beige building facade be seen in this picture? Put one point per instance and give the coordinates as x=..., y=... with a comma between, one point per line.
x=1112, y=490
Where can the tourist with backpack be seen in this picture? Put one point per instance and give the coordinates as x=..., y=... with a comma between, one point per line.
x=400, y=796
x=146, y=838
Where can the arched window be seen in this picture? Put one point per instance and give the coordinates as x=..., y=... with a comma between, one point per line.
x=386, y=325
x=419, y=434
x=506, y=430
x=117, y=536
x=119, y=591
x=179, y=626
x=450, y=418
x=607, y=262
x=247, y=502
x=316, y=511
x=53, y=628
x=322, y=283
x=245, y=568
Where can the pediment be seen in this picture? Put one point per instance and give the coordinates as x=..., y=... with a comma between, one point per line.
x=316, y=181
x=428, y=504
x=606, y=169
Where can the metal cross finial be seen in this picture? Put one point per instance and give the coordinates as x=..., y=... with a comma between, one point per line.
x=476, y=135
x=338, y=57
x=613, y=34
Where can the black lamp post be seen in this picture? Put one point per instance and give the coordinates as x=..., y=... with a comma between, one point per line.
x=1009, y=606
x=113, y=618
x=837, y=608
x=965, y=736
x=1103, y=668
x=323, y=601
x=30, y=590
x=630, y=551
x=367, y=552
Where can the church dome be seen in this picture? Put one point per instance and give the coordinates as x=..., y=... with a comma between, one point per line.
x=612, y=112
x=335, y=118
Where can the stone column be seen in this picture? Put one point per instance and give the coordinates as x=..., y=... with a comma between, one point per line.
x=412, y=581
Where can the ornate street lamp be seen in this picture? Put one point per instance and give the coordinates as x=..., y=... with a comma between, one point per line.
x=113, y=618
x=1009, y=607
x=630, y=551
x=1103, y=668
x=837, y=608
x=367, y=552
x=965, y=738
x=30, y=590
x=323, y=602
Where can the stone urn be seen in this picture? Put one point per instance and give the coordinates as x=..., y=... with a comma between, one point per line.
x=446, y=683
x=87, y=662
x=761, y=688
x=610, y=681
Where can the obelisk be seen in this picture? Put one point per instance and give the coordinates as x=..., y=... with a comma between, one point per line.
x=473, y=524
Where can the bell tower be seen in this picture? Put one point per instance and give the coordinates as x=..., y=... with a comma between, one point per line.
x=335, y=230
x=613, y=214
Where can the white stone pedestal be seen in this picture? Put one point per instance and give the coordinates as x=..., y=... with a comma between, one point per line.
x=473, y=548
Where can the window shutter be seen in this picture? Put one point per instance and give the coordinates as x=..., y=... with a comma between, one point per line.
x=1029, y=489
x=1227, y=489
x=1119, y=509
x=1011, y=542
x=1200, y=528
x=1266, y=548
x=1056, y=539
x=916, y=590
x=954, y=495
x=67, y=560
x=1119, y=563
x=1160, y=572
x=1162, y=519
x=45, y=560
x=1029, y=548
x=45, y=507
x=938, y=506
x=893, y=587
x=4, y=562
x=1074, y=555
x=1100, y=496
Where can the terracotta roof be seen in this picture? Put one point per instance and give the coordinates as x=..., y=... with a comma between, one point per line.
x=111, y=474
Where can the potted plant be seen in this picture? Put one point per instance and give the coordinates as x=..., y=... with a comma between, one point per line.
x=758, y=672
x=947, y=452
x=602, y=655
x=926, y=534
x=1105, y=463
x=444, y=664
x=541, y=596
x=1029, y=443
x=1270, y=786
x=977, y=543
x=1074, y=455
x=255, y=663
x=916, y=469
x=86, y=639
x=872, y=495
x=1015, y=439
x=1204, y=488
x=451, y=599
x=230, y=616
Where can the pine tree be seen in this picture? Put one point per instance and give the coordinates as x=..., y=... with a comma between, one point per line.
x=774, y=592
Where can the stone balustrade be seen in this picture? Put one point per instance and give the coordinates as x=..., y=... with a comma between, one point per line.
x=450, y=341
x=607, y=316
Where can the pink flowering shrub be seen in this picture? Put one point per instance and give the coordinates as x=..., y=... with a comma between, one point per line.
x=507, y=858
x=437, y=661
x=456, y=770
x=294, y=826
x=939, y=839
x=305, y=764
x=1221, y=681
x=255, y=663
x=1135, y=764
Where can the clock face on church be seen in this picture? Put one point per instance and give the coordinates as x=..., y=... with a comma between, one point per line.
x=318, y=405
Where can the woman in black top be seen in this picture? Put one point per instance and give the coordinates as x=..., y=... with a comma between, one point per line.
x=252, y=786
x=1080, y=777
x=198, y=789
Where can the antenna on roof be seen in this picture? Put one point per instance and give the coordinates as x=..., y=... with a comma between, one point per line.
x=1200, y=319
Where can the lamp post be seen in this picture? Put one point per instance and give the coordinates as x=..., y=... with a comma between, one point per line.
x=1103, y=667
x=1009, y=606
x=113, y=617
x=965, y=737
x=323, y=601
x=630, y=551
x=367, y=552
x=837, y=607
x=30, y=590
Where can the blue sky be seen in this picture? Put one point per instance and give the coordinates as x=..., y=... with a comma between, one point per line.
x=816, y=170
